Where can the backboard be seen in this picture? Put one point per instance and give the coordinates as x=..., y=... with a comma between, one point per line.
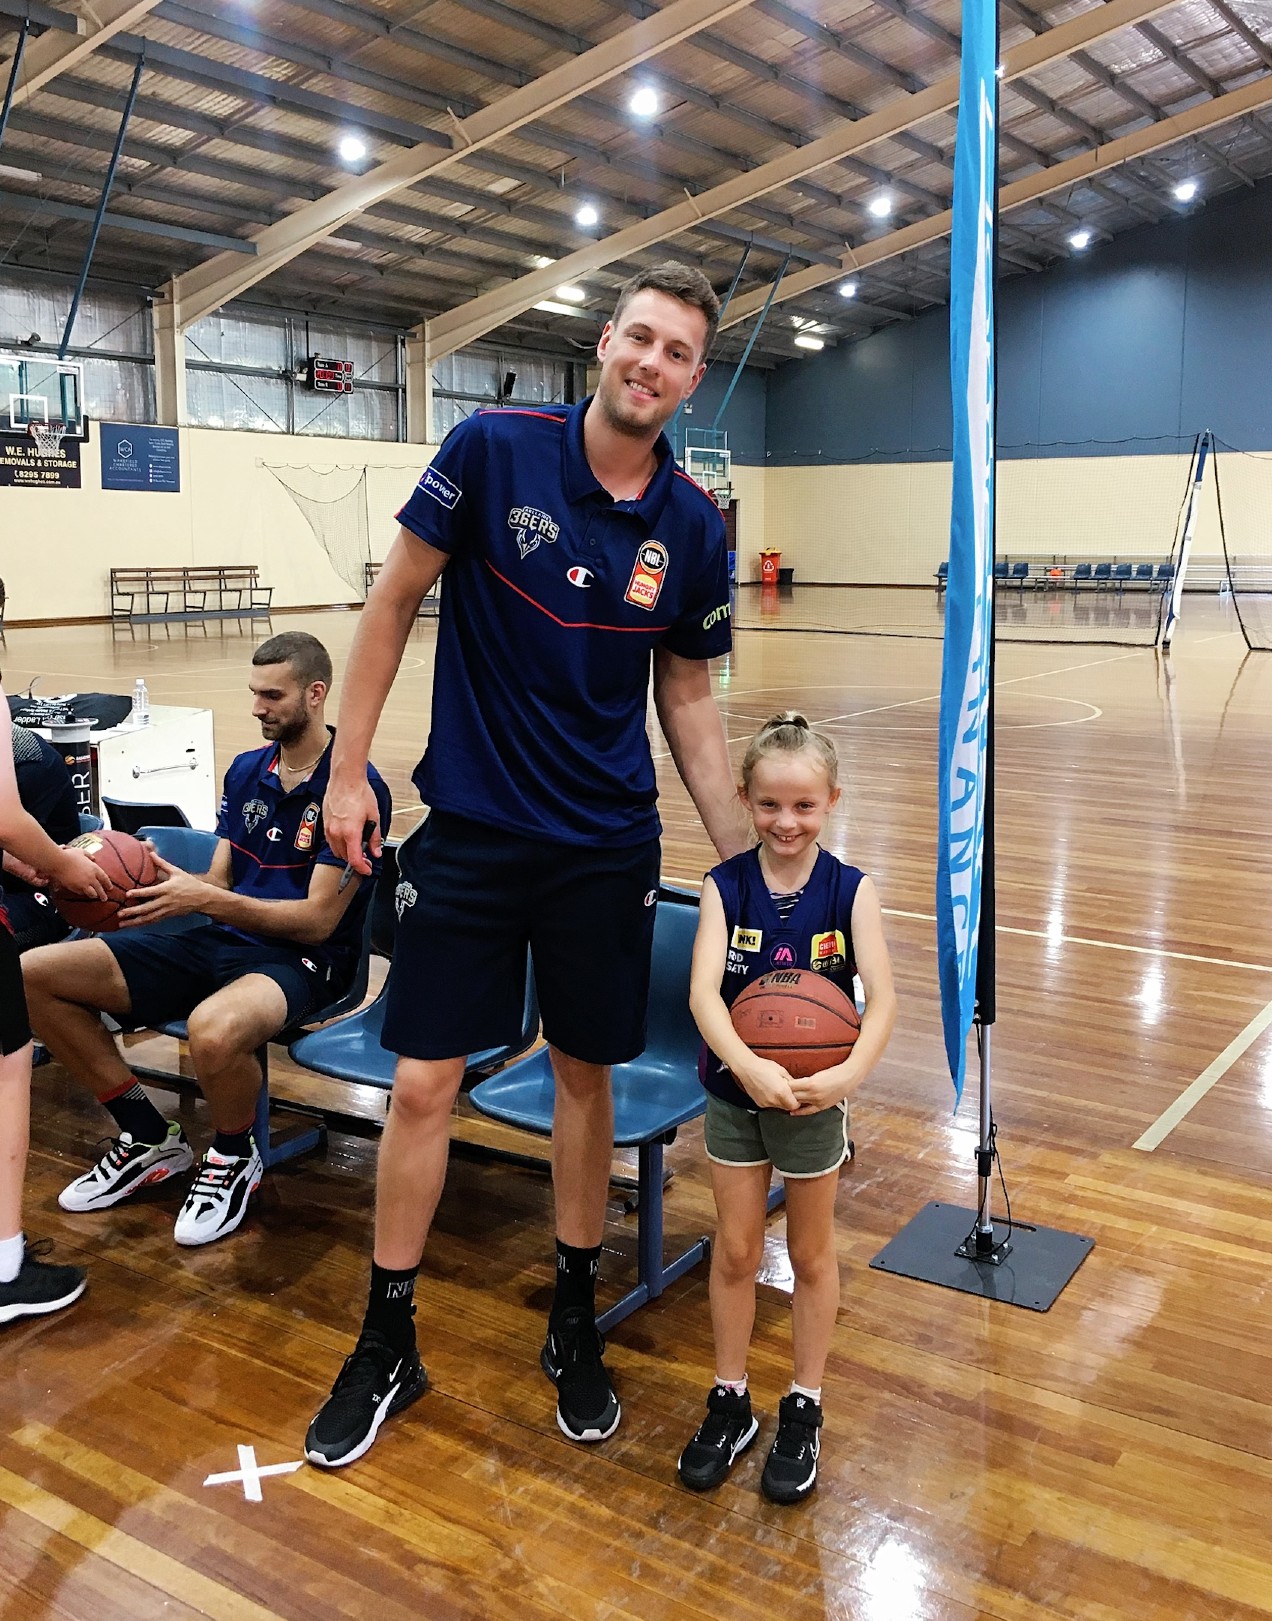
x=40, y=388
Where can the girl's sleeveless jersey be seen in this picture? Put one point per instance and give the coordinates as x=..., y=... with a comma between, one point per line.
x=817, y=935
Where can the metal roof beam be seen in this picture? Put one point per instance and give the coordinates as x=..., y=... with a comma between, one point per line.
x=1073, y=171
x=61, y=49
x=464, y=325
x=21, y=202
x=202, y=290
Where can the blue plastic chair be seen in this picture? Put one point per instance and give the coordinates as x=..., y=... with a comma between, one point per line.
x=192, y=849
x=1121, y=574
x=1082, y=575
x=1000, y=571
x=1103, y=574
x=653, y=1095
x=1165, y=574
x=90, y=823
x=130, y=816
x=1143, y=574
x=350, y=1049
x=942, y=575
x=1020, y=574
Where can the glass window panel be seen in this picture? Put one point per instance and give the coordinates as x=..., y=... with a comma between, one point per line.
x=218, y=400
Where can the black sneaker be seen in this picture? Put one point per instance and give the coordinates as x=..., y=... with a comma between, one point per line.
x=723, y=1436
x=791, y=1470
x=39, y=1287
x=587, y=1408
x=376, y=1381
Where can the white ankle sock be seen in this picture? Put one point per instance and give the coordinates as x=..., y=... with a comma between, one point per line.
x=737, y=1386
x=803, y=1390
x=11, y=1252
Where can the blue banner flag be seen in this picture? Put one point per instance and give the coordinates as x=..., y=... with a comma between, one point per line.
x=964, y=722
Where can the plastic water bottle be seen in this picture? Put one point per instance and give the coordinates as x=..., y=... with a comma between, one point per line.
x=140, y=703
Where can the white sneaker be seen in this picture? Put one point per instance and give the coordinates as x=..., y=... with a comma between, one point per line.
x=125, y=1167
x=217, y=1202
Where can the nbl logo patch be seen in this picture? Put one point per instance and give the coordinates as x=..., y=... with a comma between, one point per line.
x=647, y=577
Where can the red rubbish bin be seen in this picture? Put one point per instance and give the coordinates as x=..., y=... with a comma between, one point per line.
x=770, y=563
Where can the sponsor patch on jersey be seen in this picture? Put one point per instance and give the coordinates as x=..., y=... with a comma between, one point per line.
x=647, y=577
x=581, y=577
x=305, y=832
x=716, y=615
x=530, y=526
x=254, y=813
x=782, y=955
x=440, y=488
x=827, y=953
x=404, y=895
x=274, y=834
x=746, y=939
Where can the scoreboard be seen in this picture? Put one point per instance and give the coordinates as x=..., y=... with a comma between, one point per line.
x=329, y=376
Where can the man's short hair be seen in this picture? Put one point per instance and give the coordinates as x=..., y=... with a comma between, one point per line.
x=309, y=659
x=690, y=286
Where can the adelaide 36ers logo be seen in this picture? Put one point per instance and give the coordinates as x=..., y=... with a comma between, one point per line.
x=647, y=577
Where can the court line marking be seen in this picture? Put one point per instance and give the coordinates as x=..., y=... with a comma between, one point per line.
x=1104, y=945
x=1188, y=1099
x=250, y=1473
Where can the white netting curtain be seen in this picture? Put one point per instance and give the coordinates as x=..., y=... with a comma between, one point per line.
x=334, y=503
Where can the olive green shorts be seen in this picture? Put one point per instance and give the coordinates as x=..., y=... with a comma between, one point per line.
x=796, y=1145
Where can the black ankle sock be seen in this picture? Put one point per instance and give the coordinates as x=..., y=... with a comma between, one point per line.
x=575, y=1279
x=391, y=1305
x=134, y=1113
x=234, y=1144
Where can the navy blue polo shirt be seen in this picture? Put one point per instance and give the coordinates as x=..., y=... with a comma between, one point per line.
x=276, y=840
x=553, y=601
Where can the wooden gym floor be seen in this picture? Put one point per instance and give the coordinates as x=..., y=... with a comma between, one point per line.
x=1110, y=1459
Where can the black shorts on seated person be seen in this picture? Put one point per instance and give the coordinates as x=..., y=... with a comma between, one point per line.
x=471, y=899
x=168, y=975
x=15, y=1032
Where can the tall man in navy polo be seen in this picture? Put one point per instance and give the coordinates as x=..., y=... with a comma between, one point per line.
x=281, y=938
x=576, y=555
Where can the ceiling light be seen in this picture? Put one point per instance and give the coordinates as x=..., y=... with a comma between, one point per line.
x=881, y=206
x=644, y=102
x=587, y=215
x=540, y=262
x=805, y=340
x=847, y=289
x=571, y=295
x=352, y=149
x=553, y=308
x=1000, y=71
x=1080, y=239
x=1186, y=190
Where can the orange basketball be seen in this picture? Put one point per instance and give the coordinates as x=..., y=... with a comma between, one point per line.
x=126, y=864
x=798, y=1019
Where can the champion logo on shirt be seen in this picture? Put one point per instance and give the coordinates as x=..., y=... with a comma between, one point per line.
x=582, y=577
x=274, y=835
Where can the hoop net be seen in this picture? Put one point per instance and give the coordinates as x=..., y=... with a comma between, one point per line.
x=48, y=437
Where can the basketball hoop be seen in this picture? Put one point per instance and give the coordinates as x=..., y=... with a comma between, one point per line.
x=48, y=437
x=722, y=495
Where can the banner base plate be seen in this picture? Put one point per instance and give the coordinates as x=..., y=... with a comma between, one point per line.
x=1032, y=1274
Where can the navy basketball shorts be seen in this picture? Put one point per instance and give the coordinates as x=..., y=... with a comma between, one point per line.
x=168, y=975
x=15, y=1031
x=473, y=899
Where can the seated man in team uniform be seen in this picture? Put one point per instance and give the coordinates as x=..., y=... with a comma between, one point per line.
x=47, y=794
x=282, y=939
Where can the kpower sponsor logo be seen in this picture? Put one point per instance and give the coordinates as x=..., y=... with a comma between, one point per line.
x=440, y=488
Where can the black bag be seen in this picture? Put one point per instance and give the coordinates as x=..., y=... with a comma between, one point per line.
x=100, y=709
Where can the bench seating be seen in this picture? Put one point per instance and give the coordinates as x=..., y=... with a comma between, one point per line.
x=431, y=602
x=219, y=591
